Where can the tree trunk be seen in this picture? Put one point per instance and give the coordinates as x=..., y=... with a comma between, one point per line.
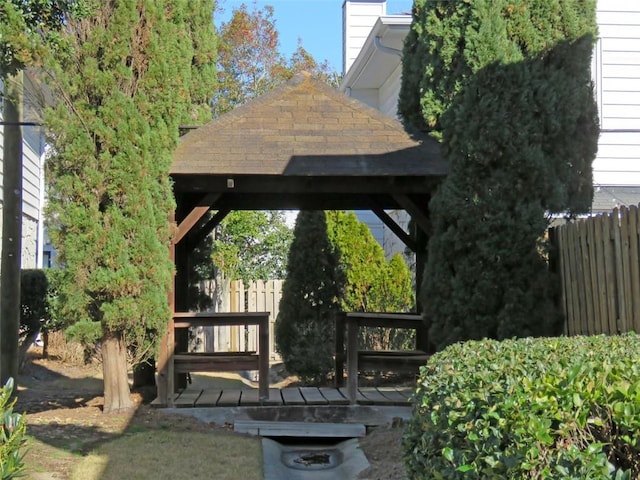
x=117, y=396
x=11, y=230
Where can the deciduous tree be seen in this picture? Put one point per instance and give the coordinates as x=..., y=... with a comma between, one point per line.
x=252, y=246
x=250, y=62
x=134, y=71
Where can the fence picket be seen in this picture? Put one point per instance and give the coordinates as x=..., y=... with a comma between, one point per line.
x=601, y=266
x=588, y=297
x=634, y=267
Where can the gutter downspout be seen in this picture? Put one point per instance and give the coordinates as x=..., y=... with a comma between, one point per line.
x=377, y=42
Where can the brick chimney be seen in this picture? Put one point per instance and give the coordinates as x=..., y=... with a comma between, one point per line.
x=358, y=17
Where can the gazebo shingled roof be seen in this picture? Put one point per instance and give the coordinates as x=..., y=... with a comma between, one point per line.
x=305, y=145
x=306, y=127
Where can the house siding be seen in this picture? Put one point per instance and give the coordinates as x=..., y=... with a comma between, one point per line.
x=616, y=75
x=358, y=18
x=389, y=93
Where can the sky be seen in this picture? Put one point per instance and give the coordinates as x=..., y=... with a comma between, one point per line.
x=318, y=23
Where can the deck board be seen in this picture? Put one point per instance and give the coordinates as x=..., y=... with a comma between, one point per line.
x=233, y=397
x=333, y=396
x=229, y=398
x=187, y=398
x=275, y=397
x=312, y=396
x=393, y=394
x=209, y=398
x=292, y=396
x=374, y=396
x=406, y=391
x=361, y=399
x=249, y=397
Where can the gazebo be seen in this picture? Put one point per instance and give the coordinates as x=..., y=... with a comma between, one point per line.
x=303, y=145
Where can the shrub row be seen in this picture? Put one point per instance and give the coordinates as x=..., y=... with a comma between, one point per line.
x=529, y=408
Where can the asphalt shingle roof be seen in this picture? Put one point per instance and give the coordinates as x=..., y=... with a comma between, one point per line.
x=305, y=127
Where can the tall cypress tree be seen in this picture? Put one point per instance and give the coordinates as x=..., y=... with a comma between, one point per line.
x=310, y=297
x=506, y=85
x=134, y=71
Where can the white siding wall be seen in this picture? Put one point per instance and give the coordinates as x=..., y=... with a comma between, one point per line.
x=357, y=19
x=368, y=96
x=389, y=93
x=616, y=73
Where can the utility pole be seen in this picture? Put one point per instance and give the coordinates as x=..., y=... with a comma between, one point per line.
x=11, y=228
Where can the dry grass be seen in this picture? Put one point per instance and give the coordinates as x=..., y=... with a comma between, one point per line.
x=192, y=456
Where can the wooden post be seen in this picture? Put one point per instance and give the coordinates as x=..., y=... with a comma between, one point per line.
x=263, y=351
x=339, y=358
x=165, y=381
x=352, y=359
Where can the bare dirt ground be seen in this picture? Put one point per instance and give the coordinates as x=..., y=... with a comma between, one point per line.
x=63, y=403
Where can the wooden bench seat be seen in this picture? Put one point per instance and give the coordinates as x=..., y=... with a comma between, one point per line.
x=404, y=361
x=215, y=362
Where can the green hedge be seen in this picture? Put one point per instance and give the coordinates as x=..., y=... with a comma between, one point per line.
x=34, y=290
x=530, y=408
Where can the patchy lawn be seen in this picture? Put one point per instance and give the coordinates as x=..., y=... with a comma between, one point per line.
x=70, y=437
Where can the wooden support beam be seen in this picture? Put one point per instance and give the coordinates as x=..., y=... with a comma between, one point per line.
x=208, y=227
x=419, y=214
x=395, y=228
x=199, y=211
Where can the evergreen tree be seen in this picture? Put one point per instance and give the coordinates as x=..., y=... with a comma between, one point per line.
x=310, y=298
x=133, y=73
x=506, y=86
x=371, y=283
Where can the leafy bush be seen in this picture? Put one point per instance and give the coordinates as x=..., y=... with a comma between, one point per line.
x=530, y=408
x=12, y=435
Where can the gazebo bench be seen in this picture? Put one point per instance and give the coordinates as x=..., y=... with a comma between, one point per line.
x=187, y=362
x=405, y=361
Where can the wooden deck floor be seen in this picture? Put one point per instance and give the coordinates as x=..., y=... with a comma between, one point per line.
x=292, y=396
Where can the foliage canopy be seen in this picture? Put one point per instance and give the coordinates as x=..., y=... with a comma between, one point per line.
x=252, y=245
x=506, y=86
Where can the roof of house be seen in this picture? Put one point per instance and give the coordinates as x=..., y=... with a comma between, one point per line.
x=606, y=198
x=302, y=128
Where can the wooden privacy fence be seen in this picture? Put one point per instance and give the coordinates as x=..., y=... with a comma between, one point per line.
x=231, y=297
x=599, y=264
